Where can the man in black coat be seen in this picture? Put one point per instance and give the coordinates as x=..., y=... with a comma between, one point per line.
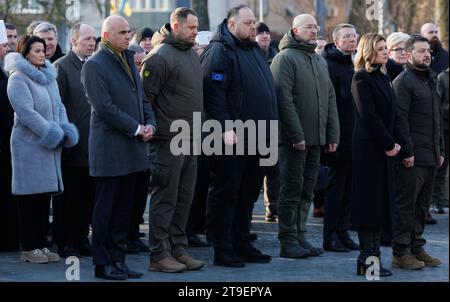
x=440, y=191
x=338, y=196
x=419, y=127
x=122, y=121
x=9, y=231
x=72, y=210
x=439, y=56
x=238, y=85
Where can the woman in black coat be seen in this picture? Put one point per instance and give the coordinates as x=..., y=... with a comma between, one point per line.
x=374, y=148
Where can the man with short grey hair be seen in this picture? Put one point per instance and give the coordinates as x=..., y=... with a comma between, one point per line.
x=339, y=55
x=49, y=34
x=72, y=209
x=308, y=120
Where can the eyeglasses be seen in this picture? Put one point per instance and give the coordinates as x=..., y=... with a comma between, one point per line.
x=398, y=50
x=311, y=27
x=348, y=36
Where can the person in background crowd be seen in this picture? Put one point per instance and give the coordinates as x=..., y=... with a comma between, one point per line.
x=420, y=130
x=49, y=34
x=439, y=62
x=235, y=74
x=139, y=54
x=122, y=122
x=397, y=54
x=440, y=191
x=40, y=131
x=196, y=223
x=305, y=100
x=9, y=228
x=374, y=148
x=271, y=179
x=72, y=210
x=11, y=33
x=171, y=76
x=143, y=37
x=336, y=222
x=321, y=42
x=439, y=56
x=134, y=244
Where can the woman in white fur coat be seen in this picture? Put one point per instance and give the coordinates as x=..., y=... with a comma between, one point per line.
x=40, y=131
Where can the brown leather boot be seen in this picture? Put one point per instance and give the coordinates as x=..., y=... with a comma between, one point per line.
x=191, y=263
x=167, y=265
x=407, y=261
x=427, y=259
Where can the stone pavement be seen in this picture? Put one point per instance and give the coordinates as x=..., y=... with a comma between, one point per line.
x=329, y=267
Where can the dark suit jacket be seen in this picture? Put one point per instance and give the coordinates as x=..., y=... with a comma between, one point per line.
x=77, y=107
x=373, y=171
x=118, y=108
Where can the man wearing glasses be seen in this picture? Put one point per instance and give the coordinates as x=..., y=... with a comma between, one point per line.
x=339, y=56
x=308, y=120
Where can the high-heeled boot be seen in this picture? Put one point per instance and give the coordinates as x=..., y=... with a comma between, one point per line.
x=366, y=248
x=384, y=272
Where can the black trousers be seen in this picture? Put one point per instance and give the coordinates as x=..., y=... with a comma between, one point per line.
x=113, y=206
x=33, y=219
x=141, y=194
x=72, y=210
x=338, y=200
x=196, y=223
x=236, y=186
x=9, y=224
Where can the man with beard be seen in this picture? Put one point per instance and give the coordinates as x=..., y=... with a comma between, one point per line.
x=439, y=56
x=419, y=127
x=171, y=76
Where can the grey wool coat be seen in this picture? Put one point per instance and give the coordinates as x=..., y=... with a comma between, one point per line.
x=40, y=127
x=118, y=107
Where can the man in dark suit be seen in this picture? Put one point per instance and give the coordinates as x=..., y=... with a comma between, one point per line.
x=121, y=122
x=338, y=196
x=72, y=210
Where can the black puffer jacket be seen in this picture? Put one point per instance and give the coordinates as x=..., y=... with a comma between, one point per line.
x=340, y=67
x=439, y=58
x=237, y=81
x=419, y=123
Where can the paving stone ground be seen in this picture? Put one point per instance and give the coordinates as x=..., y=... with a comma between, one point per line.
x=329, y=267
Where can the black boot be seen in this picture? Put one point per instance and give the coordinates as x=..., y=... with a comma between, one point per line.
x=366, y=247
x=377, y=253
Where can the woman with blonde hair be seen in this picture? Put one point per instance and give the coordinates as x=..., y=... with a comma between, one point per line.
x=374, y=148
x=397, y=55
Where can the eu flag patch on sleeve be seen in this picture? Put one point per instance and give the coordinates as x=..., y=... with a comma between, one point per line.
x=218, y=77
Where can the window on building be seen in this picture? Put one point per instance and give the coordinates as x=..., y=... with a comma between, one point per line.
x=149, y=5
x=27, y=7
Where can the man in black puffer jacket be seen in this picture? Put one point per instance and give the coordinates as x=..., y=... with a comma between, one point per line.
x=238, y=85
x=419, y=127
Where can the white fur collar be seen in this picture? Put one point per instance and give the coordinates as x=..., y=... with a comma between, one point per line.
x=44, y=76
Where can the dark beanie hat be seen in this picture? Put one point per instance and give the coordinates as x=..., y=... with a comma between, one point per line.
x=143, y=33
x=262, y=27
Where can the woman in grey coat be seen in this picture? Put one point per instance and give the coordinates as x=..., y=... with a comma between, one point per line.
x=40, y=131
